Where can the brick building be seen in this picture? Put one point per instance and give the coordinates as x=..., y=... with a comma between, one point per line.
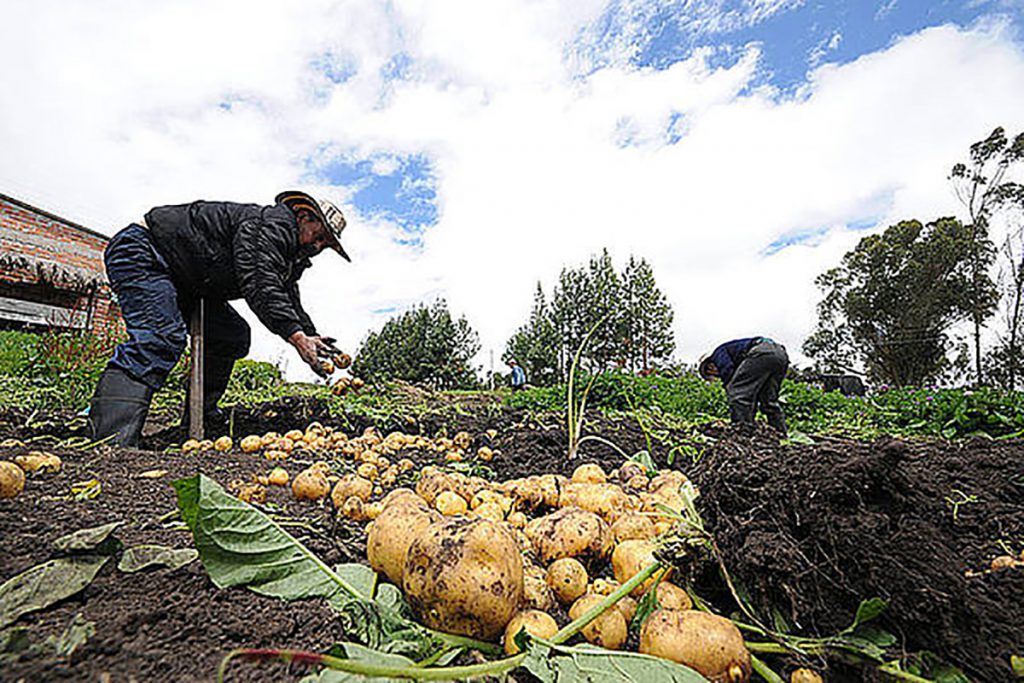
x=51, y=272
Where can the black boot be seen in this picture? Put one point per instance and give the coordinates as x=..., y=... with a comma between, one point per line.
x=118, y=408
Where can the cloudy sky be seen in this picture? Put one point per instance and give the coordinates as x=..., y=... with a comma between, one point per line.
x=478, y=146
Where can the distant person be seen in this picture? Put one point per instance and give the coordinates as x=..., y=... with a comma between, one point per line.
x=752, y=370
x=214, y=251
x=518, y=375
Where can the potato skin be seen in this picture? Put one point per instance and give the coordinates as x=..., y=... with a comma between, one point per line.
x=707, y=643
x=536, y=623
x=464, y=576
x=631, y=526
x=393, y=531
x=12, y=479
x=671, y=596
x=569, y=532
x=567, y=578
x=630, y=558
x=609, y=630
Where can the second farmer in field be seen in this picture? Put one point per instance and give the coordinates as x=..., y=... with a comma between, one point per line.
x=214, y=252
x=752, y=370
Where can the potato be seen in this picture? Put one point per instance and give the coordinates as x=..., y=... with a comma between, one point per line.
x=707, y=643
x=12, y=479
x=535, y=622
x=518, y=520
x=367, y=471
x=190, y=446
x=252, y=493
x=342, y=360
x=278, y=477
x=491, y=511
x=805, y=676
x=629, y=470
x=432, y=482
x=373, y=510
x=609, y=630
x=251, y=444
x=38, y=461
x=638, y=483
x=269, y=438
x=631, y=526
x=536, y=592
x=462, y=440
x=603, y=586
x=223, y=443
x=449, y=503
x=403, y=495
x=671, y=596
x=464, y=576
x=569, y=532
x=589, y=474
x=630, y=558
x=272, y=454
x=351, y=485
x=549, y=486
x=607, y=500
x=310, y=484
x=668, y=478
x=394, y=530
x=1002, y=562
x=567, y=578
x=353, y=508
x=627, y=606
x=294, y=434
x=484, y=453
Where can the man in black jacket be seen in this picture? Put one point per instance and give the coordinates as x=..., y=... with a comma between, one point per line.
x=214, y=251
x=752, y=370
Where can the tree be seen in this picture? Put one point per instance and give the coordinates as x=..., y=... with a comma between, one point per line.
x=647, y=324
x=983, y=189
x=535, y=345
x=635, y=318
x=893, y=300
x=424, y=345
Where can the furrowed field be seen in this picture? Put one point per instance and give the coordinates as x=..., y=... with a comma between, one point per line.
x=401, y=533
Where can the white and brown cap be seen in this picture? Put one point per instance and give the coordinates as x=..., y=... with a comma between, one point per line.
x=329, y=214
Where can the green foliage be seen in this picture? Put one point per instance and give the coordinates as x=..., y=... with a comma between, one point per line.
x=636, y=332
x=909, y=411
x=894, y=299
x=425, y=346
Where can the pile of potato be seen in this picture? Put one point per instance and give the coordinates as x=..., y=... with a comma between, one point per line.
x=486, y=559
x=12, y=473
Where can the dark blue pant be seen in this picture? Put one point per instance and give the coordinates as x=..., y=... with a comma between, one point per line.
x=756, y=383
x=155, y=313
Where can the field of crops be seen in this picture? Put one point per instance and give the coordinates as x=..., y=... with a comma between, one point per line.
x=440, y=536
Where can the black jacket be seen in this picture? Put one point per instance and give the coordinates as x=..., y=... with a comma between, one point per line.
x=228, y=251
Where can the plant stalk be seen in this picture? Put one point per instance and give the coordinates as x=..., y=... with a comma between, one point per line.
x=600, y=608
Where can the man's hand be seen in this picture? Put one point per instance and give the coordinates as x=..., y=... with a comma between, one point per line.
x=310, y=349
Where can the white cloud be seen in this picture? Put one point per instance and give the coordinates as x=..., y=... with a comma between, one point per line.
x=120, y=110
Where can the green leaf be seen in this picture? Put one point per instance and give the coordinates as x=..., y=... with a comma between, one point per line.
x=644, y=459
x=1017, y=664
x=88, y=540
x=14, y=642
x=45, y=584
x=142, y=557
x=240, y=546
x=75, y=635
x=648, y=603
x=866, y=611
x=800, y=438
x=360, y=577
x=585, y=663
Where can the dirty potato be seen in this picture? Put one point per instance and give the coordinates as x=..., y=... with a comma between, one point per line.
x=464, y=576
x=569, y=532
x=609, y=630
x=394, y=530
x=534, y=622
x=707, y=643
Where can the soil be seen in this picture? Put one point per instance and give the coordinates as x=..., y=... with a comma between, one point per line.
x=810, y=530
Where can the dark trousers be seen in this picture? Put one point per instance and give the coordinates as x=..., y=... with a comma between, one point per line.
x=756, y=383
x=155, y=313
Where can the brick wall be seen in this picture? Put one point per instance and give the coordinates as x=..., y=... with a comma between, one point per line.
x=46, y=259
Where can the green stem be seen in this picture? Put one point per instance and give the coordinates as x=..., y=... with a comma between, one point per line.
x=892, y=671
x=597, y=610
x=443, y=673
x=764, y=671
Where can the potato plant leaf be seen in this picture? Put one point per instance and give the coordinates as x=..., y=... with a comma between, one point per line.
x=142, y=557
x=240, y=546
x=97, y=539
x=585, y=663
x=78, y=631
x=45, y=584
x=1017, y=664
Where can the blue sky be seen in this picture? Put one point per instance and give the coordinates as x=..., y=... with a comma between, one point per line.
x=793, y=37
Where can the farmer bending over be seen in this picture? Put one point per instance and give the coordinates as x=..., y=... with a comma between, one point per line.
x=518, y=378
x=215, y=251
x=751, y=370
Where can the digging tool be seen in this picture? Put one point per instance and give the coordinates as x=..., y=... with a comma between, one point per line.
x=195, y=397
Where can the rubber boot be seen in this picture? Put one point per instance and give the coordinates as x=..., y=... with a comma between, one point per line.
x=216, y=374
x=118, y=408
